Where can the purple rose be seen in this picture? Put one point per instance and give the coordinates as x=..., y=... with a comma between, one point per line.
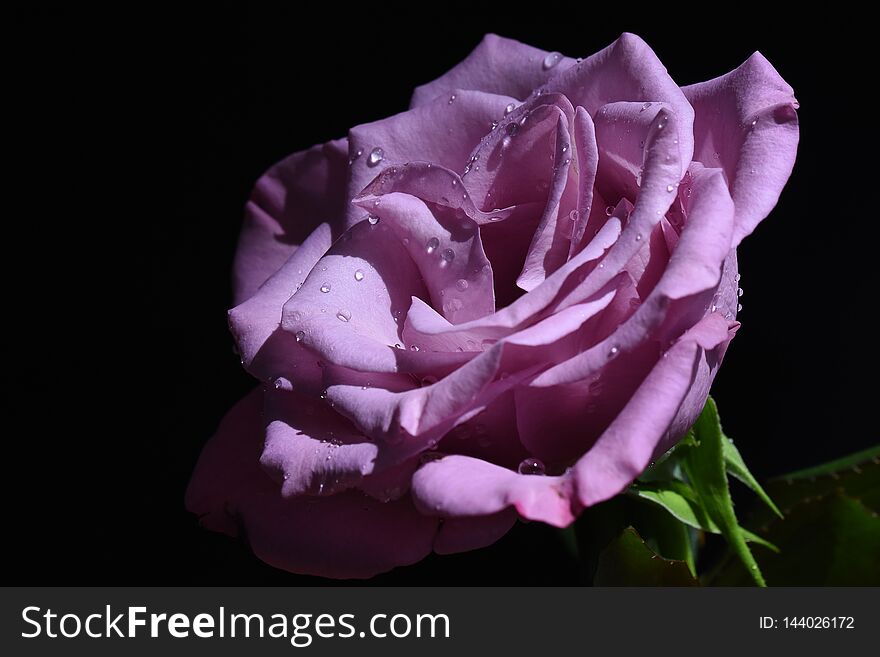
x=503, y=302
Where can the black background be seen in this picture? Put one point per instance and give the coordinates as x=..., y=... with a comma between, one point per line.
x=141, y=135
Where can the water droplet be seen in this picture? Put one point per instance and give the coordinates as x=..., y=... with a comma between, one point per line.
x=755, y=122
x=355, y=155
x=609, y=210
x=739, y=307
x=551, y=60
x=358, y=275
x=512, y=128
x=432, y=244
x=713, y=308
x=564, y=147
x=494, y=218
x=739, y=291
x=452, y=99
x=510, y=107
x=461, y=284
x=494, y=125
x=613, y=351
x=300, y=335
x=670, y=188
x=645, y=106
x=376, y=156
x=531, y=466
x=448, y=255
x=414, y=347
x=280, y=383
x=343, y=315
x=397, y=345
x=325, y=288
x=737, y=277
x=373, y=219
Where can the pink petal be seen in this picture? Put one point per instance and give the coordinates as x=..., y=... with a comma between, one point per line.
x=497, y=65
x=746, y=123
x=341, y=536
x=461, y=486
x=446, y=248
x=438, y=132
x=627, y=445
x=288, y=202
x=310, y=449
x=551, y=242
x=266, y=351
x=628, y=71
x=463, y=534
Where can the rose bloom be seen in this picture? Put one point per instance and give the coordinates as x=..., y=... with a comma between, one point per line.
x=501, y=303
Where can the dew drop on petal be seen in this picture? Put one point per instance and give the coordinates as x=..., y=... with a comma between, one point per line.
x=609, y=210
x=432, y=244
x=510, y=107
x=376, y=156
x=343, y=315
x=358, y=275
x=739, y=307
x=739, y=291
x=613, y=351
x=448, y=255
x=551, y=60
x=300, y=335
x=531, y=466
x=670, y=188
x=452, y=99
x=325, y=288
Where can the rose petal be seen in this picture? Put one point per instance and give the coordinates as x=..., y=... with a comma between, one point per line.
x=310, y=449
x=438, y=132
x=496, y=65
x=463, y=534
x=683, y=293
x=628, y=70
x=587, y=152
x=461, y=486
x=287, y=203
x=446, y=248
x=552, y=238
x=266, y=351
x=626, y=446
x=746, y=123
x=344, y=535
x=348, y=318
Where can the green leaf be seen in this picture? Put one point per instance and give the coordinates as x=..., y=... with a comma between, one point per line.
x=872, y=454
x=737, y=467
x=628, y=561
x=830, y=535
x=832, y=541
x=678, y=499
x=683, y=504
x=705, y=469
